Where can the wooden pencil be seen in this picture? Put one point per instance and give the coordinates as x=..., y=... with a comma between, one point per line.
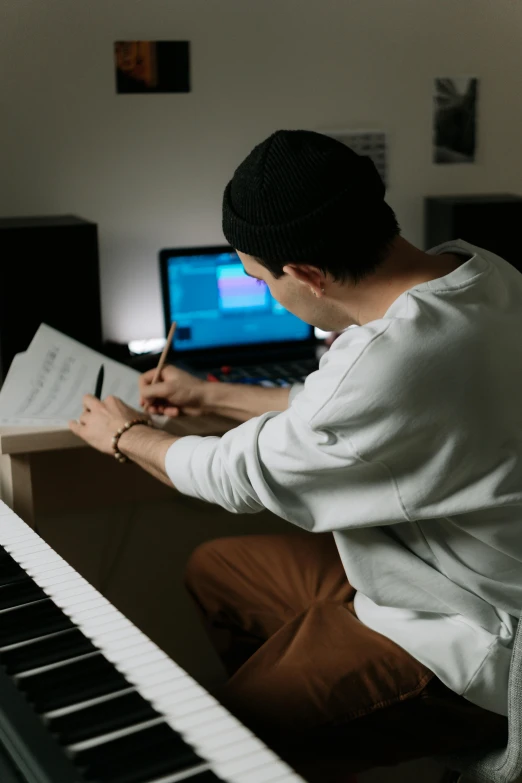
x=164, y=353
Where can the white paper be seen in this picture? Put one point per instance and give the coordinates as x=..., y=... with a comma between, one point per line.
x=46, y=384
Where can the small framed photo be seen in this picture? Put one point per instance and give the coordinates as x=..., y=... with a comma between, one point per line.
x=455, y=119
x=152, y=66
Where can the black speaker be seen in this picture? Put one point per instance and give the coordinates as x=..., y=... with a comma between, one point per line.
x=49, y=272
x=489, y=221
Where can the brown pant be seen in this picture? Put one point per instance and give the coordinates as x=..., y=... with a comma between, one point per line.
x=326, y=692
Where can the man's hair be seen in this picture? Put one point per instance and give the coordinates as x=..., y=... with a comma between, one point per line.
x=362, y=253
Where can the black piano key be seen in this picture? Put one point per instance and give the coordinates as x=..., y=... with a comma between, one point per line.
x=10, y=571
x=206, y=777
x=28, y=622
x=140, y=756
x=112, y=715
x=18, y=593
x=9, y=770
x=72, y=683
x=50, y=649
x=35, y=752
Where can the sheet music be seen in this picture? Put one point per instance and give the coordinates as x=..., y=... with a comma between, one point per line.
x=45, y=385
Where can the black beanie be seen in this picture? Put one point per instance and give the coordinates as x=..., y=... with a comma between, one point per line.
x=299, y=195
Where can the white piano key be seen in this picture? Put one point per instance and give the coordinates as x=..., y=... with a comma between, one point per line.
x=85, y=601
x=24, y=551
x=54, y=582
x=156, y=687
x=38, y=559
x=41, y=575
x=238, y=753
x=186, y=698
x=12, y=532
x=199, y=738
x=190, y=709
x=97, y=624
x=217, y=738
x=62, y=588
x=176, y=690
x=91, y=621
x=20, y=535
x=60, y=596
x=267, y=774
x=88, y=610
x=187, y=706
x=9, y=534
x=178, y=693
x=121, y=631
x=208, y=744
x=135, y=654
x=221, y=738
x=116, y=637
x=246, y=764
x=29, y=548
x=73, y=590
x=195, y=716
x=159, y=680
x=195, y=690
x=232, y=751
x=142, y=654
x=181, y=777
x=184, y=703
x=135, y=673
x=221, y=753
x=217, y=715
x=159, y=655
x=241, y=769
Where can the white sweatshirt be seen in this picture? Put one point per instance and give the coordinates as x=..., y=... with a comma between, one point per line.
x=407, y=444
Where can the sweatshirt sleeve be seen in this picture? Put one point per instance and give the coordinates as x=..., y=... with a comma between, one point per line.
x=279, y=461
x=295, y=390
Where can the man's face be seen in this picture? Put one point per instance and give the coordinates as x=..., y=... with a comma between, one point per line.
x=296, y=296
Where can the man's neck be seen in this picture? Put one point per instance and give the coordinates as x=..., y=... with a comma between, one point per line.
x=405, y=267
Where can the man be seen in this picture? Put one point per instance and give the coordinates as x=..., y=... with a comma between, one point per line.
x=392, y=638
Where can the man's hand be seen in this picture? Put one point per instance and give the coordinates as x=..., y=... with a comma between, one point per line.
x=100, y=421
x=176, y=392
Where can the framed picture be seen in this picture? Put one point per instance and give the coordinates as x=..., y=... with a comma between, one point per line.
x=152, y=66
x=454, y=119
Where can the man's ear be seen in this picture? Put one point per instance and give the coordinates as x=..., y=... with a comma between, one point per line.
x=308, y=275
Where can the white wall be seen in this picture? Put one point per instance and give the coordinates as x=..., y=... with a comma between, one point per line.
x=150, y=169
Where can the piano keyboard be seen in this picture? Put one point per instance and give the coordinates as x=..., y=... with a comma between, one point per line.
x=86, y=696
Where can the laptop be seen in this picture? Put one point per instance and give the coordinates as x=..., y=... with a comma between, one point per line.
x=229, y=327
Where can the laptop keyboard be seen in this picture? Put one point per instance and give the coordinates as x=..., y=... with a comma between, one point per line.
x=270, y=375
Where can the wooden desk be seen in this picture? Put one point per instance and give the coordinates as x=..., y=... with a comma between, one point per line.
x=127, y=533
x=35, y=461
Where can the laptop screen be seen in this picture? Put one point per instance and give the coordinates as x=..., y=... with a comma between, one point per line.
x=215, y=304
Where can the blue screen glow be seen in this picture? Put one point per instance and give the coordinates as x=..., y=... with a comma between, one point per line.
x=216, y=304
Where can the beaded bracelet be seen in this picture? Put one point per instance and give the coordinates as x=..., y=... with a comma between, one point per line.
x=116, y=438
